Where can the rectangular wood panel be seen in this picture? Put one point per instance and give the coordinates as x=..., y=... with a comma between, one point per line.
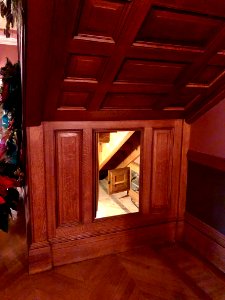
x=129, y=100
x=150, y=71
x=162, y=168
x=76, y=100
x=209, y=75
x=68, y=157
x=164, y=25
x=98, y=12
x=85, y=66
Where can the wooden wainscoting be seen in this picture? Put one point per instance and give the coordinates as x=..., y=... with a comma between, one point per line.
x=61, y=171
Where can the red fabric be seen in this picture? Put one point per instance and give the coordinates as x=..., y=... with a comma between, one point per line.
x=5, y=183
x=5, y=92
x=2, y=200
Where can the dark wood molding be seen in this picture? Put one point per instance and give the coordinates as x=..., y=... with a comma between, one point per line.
x=202, y=238
x=65, y=114
x=183, y=170
x=207, y=160
x=205, y=229
x=36, y=183
x=196, y=112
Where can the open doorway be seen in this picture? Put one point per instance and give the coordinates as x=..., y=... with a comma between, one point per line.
x=118, y=172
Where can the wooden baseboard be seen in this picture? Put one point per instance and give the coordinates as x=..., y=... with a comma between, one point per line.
x=179, y=230
x=78, y=250
x=205, y=240
x=40, y=257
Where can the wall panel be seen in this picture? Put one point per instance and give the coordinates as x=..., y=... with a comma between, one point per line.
x=68, y=162
x=162, y=168
x=68, y=155
x=205, y=194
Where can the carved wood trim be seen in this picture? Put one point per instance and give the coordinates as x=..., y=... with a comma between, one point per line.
x=88, y=175
x=36, y=183
x=183, y=170
x=146, y=179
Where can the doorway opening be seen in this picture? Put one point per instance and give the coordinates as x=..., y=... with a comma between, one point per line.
x=117, y=172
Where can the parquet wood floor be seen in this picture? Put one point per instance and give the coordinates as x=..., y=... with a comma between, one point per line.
x=170, y=272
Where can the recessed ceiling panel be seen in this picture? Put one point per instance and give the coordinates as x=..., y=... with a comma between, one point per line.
x=169, y=26
x=129, y=101
x=149, y=71
x=75, y=100
x=85, y=66
x=101, y=18
x=209, y=75
x=114, y=59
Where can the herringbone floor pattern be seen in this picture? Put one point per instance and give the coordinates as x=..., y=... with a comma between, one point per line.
x=168, y=272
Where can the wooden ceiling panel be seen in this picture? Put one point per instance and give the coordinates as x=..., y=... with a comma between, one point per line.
x=209, y=7
x=95, y=13
x=85, y=66
x=189, y=95
x=218, y=59
x=75, y=100
x=144, y=71
x=129, y=101
x=117, y=59
x=209, y=75
x=167, y=26
x=137, y=88
x=76, y=94
x=172, y=53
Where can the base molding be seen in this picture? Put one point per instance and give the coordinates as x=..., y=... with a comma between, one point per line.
x=40, y=257
x=207, y=241
x=78, y=250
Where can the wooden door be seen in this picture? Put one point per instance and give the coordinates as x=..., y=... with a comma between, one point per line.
x=118, y=180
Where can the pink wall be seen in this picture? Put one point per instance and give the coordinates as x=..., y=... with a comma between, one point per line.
x=208, y=132
x=9, y=51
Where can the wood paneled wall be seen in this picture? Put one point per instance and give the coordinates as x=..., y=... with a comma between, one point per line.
x=205, y=195
x=205, y=225
x=62, y=191
x=68, y=159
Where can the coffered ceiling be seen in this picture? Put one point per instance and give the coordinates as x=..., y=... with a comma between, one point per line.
x=116, y=60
